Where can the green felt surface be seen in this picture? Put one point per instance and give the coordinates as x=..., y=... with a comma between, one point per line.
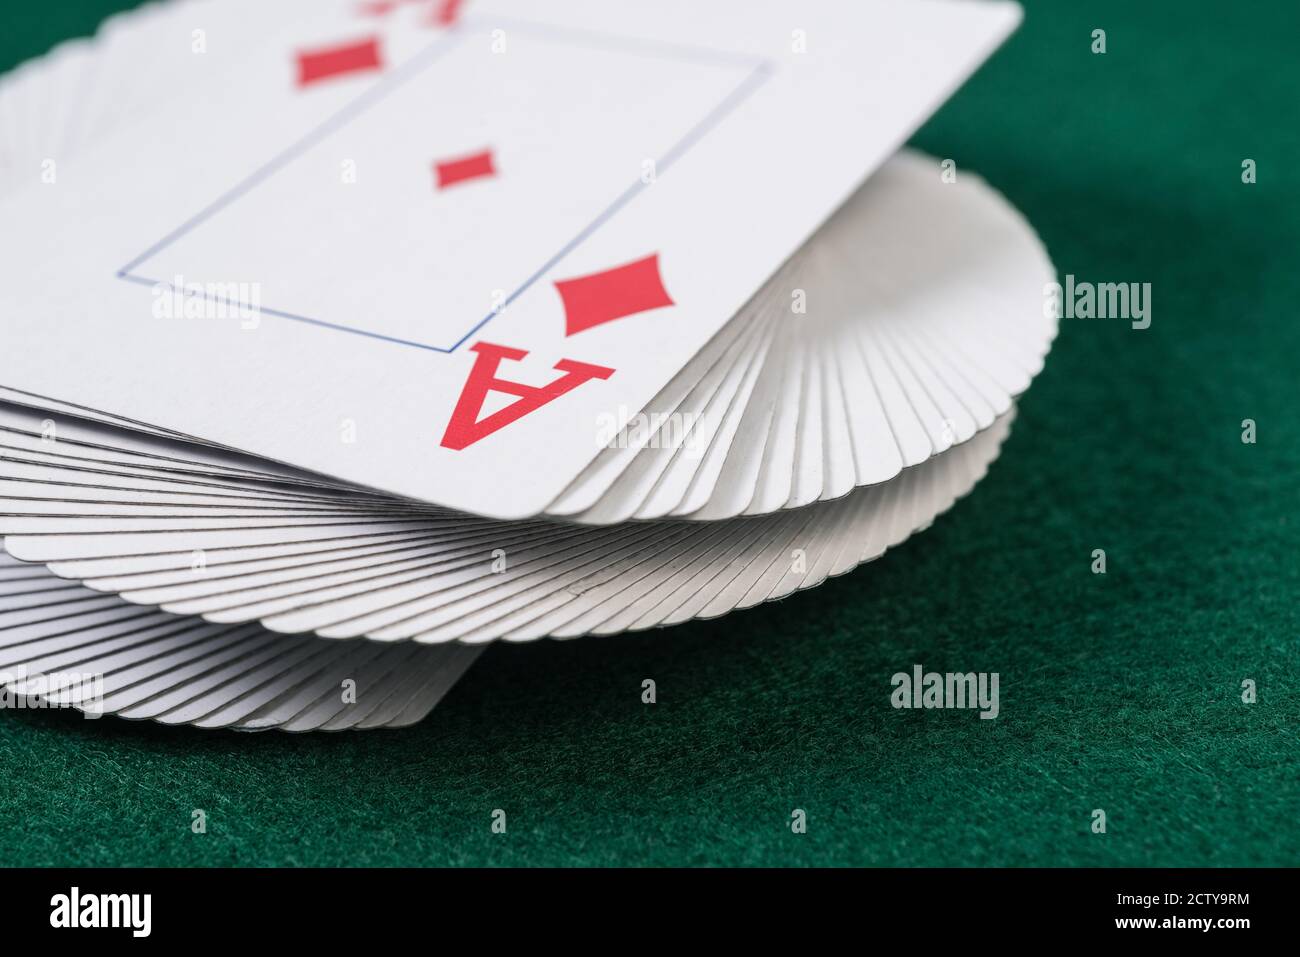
x=1119, y=691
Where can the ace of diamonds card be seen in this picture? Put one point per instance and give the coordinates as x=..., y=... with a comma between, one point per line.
x=470, y=238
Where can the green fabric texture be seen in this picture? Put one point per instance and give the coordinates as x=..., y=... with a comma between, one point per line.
x=1119, y=691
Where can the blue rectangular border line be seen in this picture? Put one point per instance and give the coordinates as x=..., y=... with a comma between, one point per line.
x=758, y=72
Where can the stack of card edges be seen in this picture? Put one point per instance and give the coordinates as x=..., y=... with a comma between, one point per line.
x=343, y=339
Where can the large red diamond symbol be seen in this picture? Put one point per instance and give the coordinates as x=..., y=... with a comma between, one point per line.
x=612, y=294
x=450, y=172
x=321, y=64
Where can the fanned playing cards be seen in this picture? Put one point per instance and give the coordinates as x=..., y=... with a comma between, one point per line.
x=341, y=339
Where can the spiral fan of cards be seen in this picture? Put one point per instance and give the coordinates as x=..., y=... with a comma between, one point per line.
x=343, y=339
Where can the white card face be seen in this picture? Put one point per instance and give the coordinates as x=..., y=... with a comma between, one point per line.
x=480, y=218
x=434, y=262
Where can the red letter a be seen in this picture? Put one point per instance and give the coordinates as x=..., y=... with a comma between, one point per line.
x=464, y=429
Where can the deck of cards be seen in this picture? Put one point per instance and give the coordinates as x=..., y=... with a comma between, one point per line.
x=343, y=338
